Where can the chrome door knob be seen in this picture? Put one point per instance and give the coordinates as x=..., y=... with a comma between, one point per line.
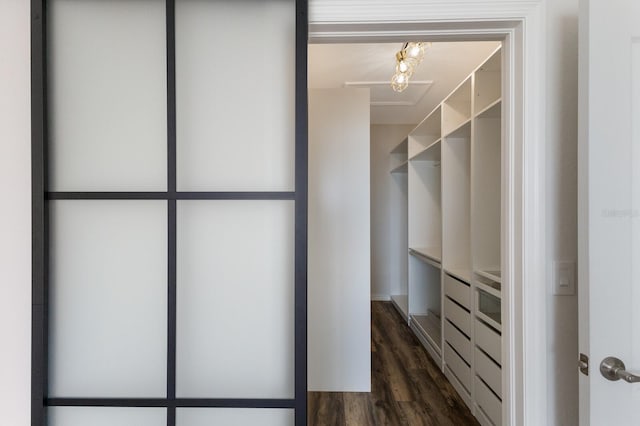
x=613, y=369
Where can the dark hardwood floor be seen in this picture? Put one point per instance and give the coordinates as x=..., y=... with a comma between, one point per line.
x=407, y=388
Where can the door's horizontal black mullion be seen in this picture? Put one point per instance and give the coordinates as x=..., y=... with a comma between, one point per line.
x=236, y=403
x=266, y=195
x=235, y=195
x=177, y=402
x=107, y=402
x=107, y=195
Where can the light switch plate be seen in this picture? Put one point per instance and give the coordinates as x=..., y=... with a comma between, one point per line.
x=564, y=278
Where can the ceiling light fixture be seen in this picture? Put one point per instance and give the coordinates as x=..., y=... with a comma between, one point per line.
x=409, y=57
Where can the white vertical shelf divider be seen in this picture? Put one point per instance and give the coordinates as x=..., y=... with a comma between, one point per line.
x=425, y=232
x=452, y=161
x=399, y=160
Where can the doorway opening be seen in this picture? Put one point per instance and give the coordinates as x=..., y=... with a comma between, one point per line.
x=434, y=236
x=521, y=237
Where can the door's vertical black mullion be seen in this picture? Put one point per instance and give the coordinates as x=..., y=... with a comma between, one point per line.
x=171, y=415
x=301, y=180
x=171, y=96
x=171, y=309
x=171, y=206
x=39, y=237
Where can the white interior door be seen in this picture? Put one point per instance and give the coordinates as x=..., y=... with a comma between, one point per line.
x=609, y=208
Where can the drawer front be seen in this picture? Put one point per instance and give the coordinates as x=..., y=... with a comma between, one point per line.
x=489, y=372
x=489, y=340
x=457, y=365
x=458, y=316
x=482, y=418
x=458, y=291
x=458, y=341
x=488, y=402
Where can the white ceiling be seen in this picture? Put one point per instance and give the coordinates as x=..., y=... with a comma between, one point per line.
x=371, y=65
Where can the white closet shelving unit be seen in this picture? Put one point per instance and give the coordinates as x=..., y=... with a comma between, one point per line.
x=486, y=178
x=452, y=161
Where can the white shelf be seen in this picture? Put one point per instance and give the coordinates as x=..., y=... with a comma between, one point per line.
x=462, y=131
x=432, y=255
x=430, y=327
x=492, y=274
x=401, y=168
x=401, y=148
x=456, y=109
x=430, y=153
x=490, y=290
x=493, y=110
x=430, y=125
x=401, y=302
x=399, y=155
x=488, y=82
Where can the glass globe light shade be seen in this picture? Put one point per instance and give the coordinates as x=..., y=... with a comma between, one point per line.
x=404, y=67
x=415, y=51
x=399, y=82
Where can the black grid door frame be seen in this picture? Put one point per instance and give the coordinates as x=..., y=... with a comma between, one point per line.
x=40, y=234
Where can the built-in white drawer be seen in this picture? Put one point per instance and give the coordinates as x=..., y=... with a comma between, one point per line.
x=458, y=341
x=458, y=367
x=458, y=316
x=482, y=418
x=489, y=340
x=457, y=290
x=489, y=371
x=488, y=402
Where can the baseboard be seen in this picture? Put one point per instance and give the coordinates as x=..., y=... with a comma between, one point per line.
x=380, y=297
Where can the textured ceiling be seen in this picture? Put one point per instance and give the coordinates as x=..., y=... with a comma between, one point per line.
x=445, y=65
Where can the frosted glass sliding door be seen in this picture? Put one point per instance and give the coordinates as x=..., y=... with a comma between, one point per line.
x=107, y=416
x=235, y=83
x=235, y=299
x=170, y=212
x=107, y=95
x=234, y=417
x=108, y=298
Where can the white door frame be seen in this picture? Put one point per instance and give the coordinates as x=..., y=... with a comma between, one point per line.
x=520, y=25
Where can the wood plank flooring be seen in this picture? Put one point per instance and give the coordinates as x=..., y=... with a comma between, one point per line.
x=407, y=388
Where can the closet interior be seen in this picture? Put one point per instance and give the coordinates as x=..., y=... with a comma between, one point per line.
x=405, y=208
x=452, y=299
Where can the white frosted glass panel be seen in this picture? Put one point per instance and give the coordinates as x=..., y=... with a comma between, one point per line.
x=235, y=334
x=234, y=417
x=108, y=299
x=107, y=94
x=235, y=88
x=106, y=416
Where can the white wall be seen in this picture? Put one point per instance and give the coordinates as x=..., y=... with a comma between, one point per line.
x=388, y=214
x=562, y=188
x=339, y=249
x=15, y=219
